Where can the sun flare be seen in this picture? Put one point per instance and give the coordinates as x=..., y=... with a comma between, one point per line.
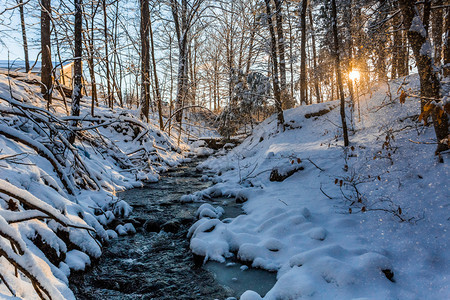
x=354, y=75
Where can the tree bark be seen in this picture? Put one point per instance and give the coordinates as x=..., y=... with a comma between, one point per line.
x=338, y=70
x=77, y=72
x=288, y=103
x=90, y=58
x=303, y=74
x=145, y=60
x=24, y=35
x=426, y=15
x=404, y=56
x=446, y=45
x=381, y=41
x=291, y=56
x=315, y=70
x=46, y=68
x=437, y=22
x=155, y=74
x=396, y=45
x=116, y=58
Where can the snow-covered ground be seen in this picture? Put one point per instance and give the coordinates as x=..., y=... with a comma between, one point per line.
x=50, y=201
x=369, y=222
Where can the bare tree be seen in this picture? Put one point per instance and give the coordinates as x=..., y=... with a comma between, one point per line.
x=315, y=70
x=287, y=102
x=437, y=22
x=77, y=72
x=273, y=54
x=24, y=35
x=89, y=38
x=109, y=96
x=337, y=65
x=46, y=68
x=303, y=74
x=155, y=78
x=145, y=59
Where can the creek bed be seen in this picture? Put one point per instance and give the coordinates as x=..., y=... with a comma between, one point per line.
x=159, y=264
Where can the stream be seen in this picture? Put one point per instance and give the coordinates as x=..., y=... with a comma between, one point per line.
x=156, y=263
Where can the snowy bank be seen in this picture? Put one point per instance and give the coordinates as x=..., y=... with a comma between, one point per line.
x=368, y=222
x=58, y=198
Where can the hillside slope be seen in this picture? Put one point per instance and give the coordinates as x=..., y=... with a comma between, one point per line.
x=370, y=221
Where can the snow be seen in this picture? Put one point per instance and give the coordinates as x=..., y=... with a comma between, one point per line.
x=77, y=260
x=129, y=228
x=417, y=26
x=122, y=209
x=206, y=210
x=426, y=49
x=394, y=242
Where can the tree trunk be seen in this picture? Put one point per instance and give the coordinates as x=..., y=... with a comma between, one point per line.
x=429, y=80
x=404, y=56
x=381, y=41
x=273, y=48
x=145, y=59
x=437, y=22
x=315, y=70
x=291, y=57
x=338, y=70
x=24, y=36
x=171, y=84
x=446, y=45
x=77, y=72
x=181, y=29
x=348, y=17
x=90, y=58
x=155, y=74
x=109, y=97
x=303, y=74
x=116, y=59
x=46, y=68
x=396, y=45
x=285, y=99
x=426, y=14
x=250, y=47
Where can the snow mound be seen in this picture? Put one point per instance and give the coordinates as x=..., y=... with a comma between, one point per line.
x=77, y=260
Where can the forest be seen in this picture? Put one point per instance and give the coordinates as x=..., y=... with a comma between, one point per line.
x=231, y=149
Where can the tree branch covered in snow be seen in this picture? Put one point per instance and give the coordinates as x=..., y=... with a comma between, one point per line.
x=57, y=195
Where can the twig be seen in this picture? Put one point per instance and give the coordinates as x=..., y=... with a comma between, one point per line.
x=283, y=202
x=325, y=193
x=7, y=285
x=315, y=165
x=423, y=143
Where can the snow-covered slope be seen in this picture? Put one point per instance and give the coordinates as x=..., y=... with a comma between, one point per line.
x=367, y=222
x=53, y=195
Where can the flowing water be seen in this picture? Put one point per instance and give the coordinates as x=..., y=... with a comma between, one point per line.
x=157, y=264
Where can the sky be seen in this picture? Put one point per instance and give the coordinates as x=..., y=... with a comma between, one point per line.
x=11, y=34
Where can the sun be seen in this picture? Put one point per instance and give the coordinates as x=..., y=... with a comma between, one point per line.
x=354, y=75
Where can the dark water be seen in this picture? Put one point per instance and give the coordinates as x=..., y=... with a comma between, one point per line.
x=159, y=265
